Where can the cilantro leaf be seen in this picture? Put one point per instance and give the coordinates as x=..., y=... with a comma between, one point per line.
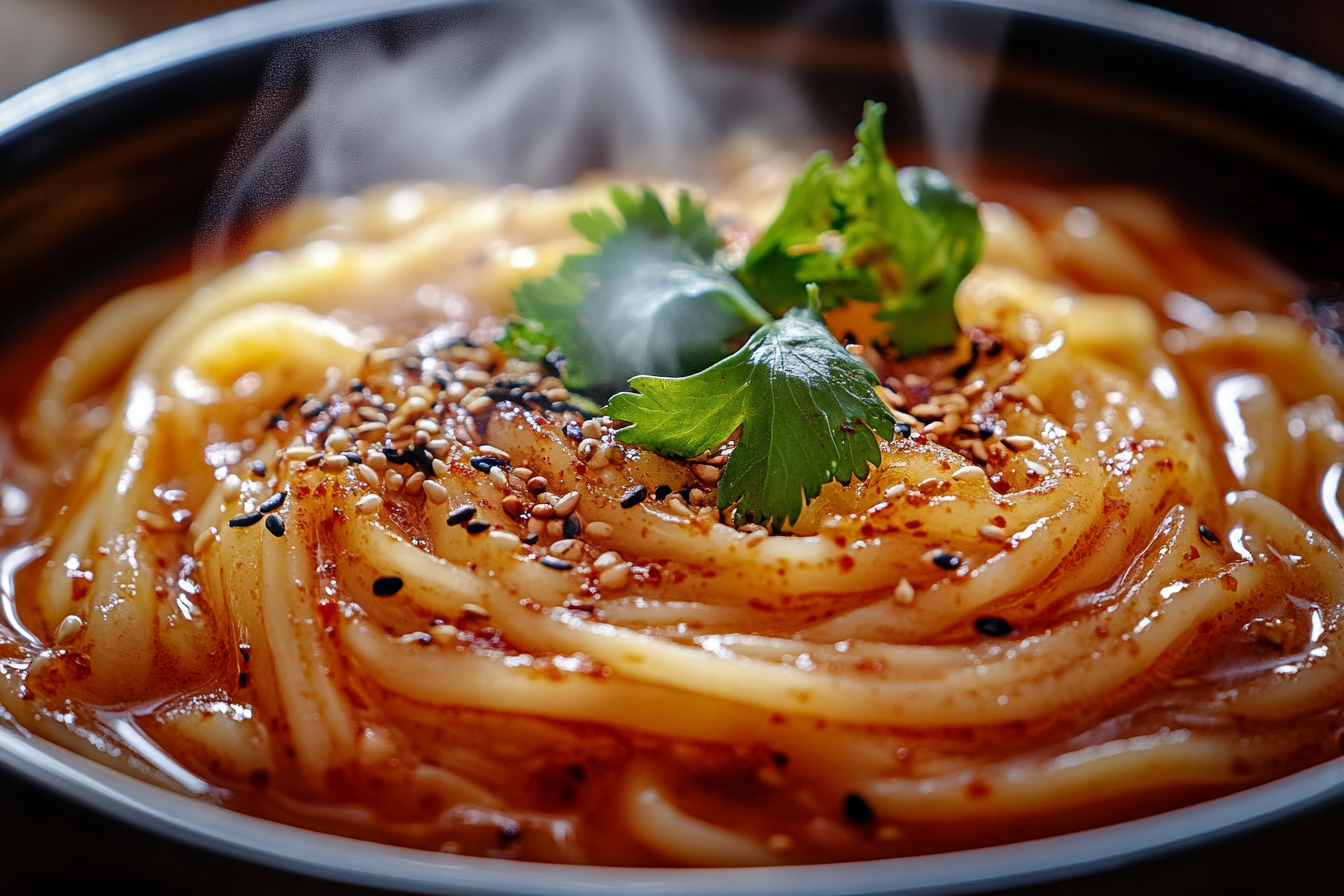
x=650, y=300
x=867, y=232
x=807, y=409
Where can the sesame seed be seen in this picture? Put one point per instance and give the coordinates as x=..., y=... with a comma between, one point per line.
x=338, y=440
x=369, y=475
x=932, y=484
x=542, y=511
x=614, y=578
x=440, y=468
x=377, y=460
x=1208, y=535
x=386, y=586
x=479, y=405
x=334, y=463
x=572, y=527
x=244, y=520
x=415, y=483
x=275, y=525
x=476, y=527
x=588, y=448
x=896, y=491
x=1035, y=404
x=565, y=506
x=368, y=504
x=497, y=453
x=438, y=447
x=258, y=467
x=993, y=626
x=599, y=529
x=591, y=429
x=443, y=634
x=70, y=626
x=556, y=563
x=371, y=430
x=904, y=592
x=435, y=492
x=857, y=809
x=537, y=484
x=499, y=478
x=678, y=507
x=566, y=549
x=1037, y=469
x=476, y=611
x=298, y=453
x=461, y=515
x=601, y=458
x=969, y=472
x=485, y=463
x=393, y=481
x=993, y=533
x=506, y=540
x=1019, y=443
x=634, y=496
x=945, y=560
x=232, y=488
x=706, y=473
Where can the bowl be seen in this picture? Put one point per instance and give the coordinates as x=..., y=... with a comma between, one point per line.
x=107, y=171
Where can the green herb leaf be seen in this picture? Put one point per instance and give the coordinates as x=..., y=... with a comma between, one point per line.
x=867, y=232
x=807, y=408
x=650, y=300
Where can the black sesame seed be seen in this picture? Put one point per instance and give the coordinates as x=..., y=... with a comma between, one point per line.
x=1207, y=534
x=275, y=525
x=460, y=515
x=273, y=503
x=571, y=527
x=485, y=463
x=946, y=561
x=476, y=527
x=257, y=467
x=902, y=429
x=353, y=457
x=993, y=626
x=662, y=492
x=311, y=408
x=386, y=586
x=243, y=678
x=556, y=563
x=857, y=809
x=289, y=402
x=551, y=364
x=509, y=830
x=573, y=432
x=242, y=521
x=634, y=496
x=986, y=431
x=275, y=420
x=531, y=538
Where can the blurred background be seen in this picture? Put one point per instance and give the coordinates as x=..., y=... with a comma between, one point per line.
x=39, y=38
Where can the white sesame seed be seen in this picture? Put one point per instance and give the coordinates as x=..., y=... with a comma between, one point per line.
x=70, y=626
x=614, y=578
x=415, y=483
x=440, y=468
x=588, y=447
x=393, y=481
x=232, y=488
x=706, y=473
x=496, y=452
x=438, y=447
x=1034, y=403
x=334, y=463
x=1019, y=443
x=566, y=549
x=600, y=458
x=338, y=440
x=506, y=540
x=566, y=505
x=969, y=472
x=443, y=634
x=479, y=405
x=592, y=429
x=435, y=492
x=1037, y=469
x=896, y=491
x=598, y=529
x=993, y=533
x=476, y=610
x=499, y=478
x=904, y=593
x=299, y=453
x=368, y=474
x=368, y=504
x=377, y=460
x=678, y=507
x=607, y=561
x=414, y=405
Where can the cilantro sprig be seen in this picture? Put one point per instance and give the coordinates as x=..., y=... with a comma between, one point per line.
x=650, y=300
x=807, y=409
x=652, y=306
x=866, y=232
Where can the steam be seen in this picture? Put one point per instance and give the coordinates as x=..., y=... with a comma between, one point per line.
x=951, y=57
x=519, y=92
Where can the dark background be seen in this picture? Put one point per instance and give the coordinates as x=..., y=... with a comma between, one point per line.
x=50, y=841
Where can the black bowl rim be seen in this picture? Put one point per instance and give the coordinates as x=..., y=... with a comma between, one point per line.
x=204, y=824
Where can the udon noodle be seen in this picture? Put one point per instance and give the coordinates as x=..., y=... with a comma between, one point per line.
x=313, y=548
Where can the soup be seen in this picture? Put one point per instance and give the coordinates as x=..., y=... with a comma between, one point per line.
x=313, y=546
